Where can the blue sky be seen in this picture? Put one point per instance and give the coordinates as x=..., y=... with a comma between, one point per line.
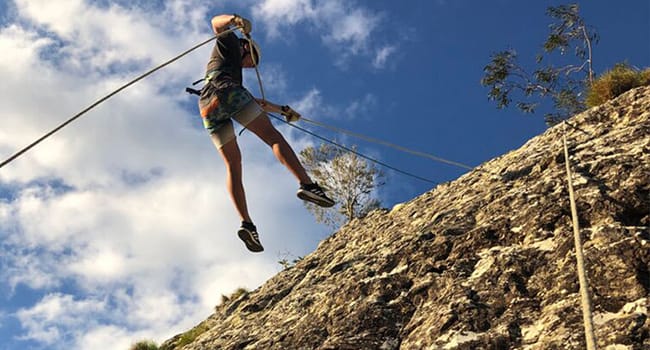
x=119, y=228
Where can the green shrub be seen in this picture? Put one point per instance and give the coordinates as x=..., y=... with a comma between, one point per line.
x=144, y=345
x=612, y=83
x=236, y=294
x=191, y=335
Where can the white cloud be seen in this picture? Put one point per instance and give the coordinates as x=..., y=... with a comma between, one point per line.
x=314, y=106
x=125, y=209
x=105, y=337
x=345, y=27
x=45, y=321
x=101, y=265
x=351, y=29
x=311, y=103
x=273, y=79
x=361, y=109
x=30, y=269
x=276, y=13
x=382, y=56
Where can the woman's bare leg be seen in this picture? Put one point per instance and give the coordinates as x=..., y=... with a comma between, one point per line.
x=232, y=158
x=263, y=128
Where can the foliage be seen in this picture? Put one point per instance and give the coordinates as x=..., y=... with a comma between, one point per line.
x=236, y=294
x=348, y=179
x=283, y=260
x=506, y=77
x=144, y=345
x=616, y=81
x=191, y=335
x=571, y=28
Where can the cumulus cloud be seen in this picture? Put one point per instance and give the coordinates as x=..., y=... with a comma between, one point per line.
x=382, y=56
x=344, y=26
x=315, y=106
x=126, y=209
x=278, y=13
x=362, y=108
x=43, y=321
x=311, y=103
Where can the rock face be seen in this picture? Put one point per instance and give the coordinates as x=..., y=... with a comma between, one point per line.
x=483, y=262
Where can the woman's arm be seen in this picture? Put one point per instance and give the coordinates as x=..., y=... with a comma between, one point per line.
x=221, y=22
x=269, y=106
x=288, y=112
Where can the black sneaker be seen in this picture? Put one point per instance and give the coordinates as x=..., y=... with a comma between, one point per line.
x=314, y=194
x=248, y=233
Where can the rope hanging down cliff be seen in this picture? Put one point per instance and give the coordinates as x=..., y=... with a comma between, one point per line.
x=585, y=300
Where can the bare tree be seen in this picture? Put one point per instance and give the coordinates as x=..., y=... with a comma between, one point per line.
x=349, y=180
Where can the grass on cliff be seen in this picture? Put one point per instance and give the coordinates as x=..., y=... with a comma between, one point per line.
x=144, y=345
x=614, y=82
x=236, y=294
x=191, y=335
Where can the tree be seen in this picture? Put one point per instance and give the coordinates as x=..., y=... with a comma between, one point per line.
x=563, y=84
x=348, y=179
x=283, y=259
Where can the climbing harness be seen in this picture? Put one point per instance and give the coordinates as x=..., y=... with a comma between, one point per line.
x=292, y=115
x=253, y=49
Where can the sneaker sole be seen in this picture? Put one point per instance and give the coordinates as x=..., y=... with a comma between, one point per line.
x=249, y=241
x=309, y=197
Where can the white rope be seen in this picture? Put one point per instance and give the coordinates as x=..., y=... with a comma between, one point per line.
x=388, y=144
x=255, y=64
x=360, y=136
x=76, y=116
x=584, y=285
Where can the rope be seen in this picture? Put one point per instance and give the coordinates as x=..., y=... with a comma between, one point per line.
x=360, y=136
x=261, y=85
x=584, y=286
x=353, y=151
x=255, y=63
x=388, y=144
x=259, y=78
x=64, y=124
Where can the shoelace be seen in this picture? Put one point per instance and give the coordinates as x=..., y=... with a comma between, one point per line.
x=255, y=235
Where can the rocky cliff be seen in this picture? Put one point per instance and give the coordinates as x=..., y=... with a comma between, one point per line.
x=483, y=262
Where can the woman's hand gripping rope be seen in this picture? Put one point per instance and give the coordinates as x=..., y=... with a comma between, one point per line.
x=242, y=23
x=289, y=114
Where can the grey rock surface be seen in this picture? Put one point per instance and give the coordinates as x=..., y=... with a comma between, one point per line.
x=484, y=262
